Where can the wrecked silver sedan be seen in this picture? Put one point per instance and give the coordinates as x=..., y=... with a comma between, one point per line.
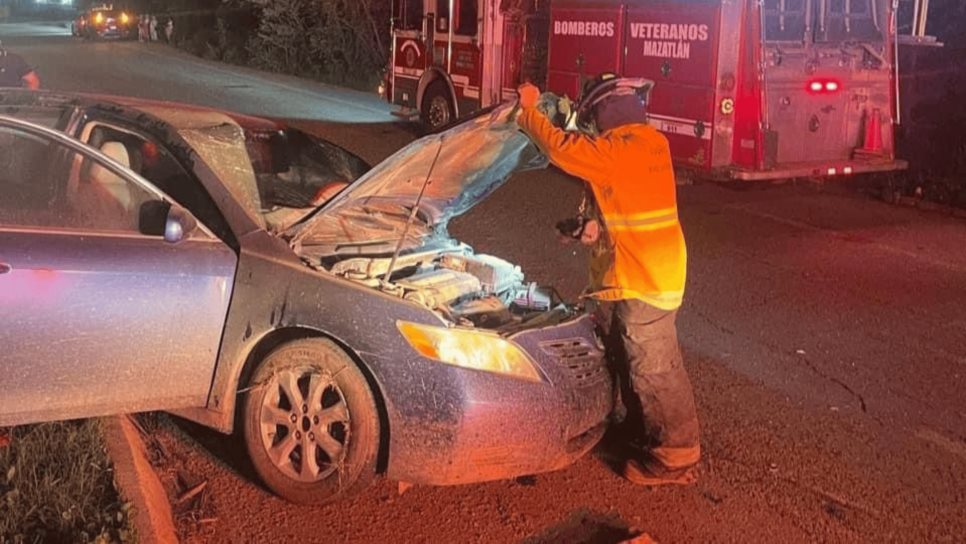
x=164, y=257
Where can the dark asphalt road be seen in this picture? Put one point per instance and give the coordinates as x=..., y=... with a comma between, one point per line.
x=825, y=335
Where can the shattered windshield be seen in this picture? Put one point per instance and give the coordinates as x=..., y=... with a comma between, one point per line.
x=281, y=176
x=296, y=172
x=222, y=148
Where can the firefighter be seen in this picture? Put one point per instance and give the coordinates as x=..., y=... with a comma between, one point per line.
x=637, y=266
x=15, y=72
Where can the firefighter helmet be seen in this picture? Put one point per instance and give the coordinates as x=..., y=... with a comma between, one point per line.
x=609, y=101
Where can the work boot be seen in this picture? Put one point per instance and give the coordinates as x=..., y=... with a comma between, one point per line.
x=653, y=474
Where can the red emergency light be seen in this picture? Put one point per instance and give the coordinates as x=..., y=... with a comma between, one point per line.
x=820, y=86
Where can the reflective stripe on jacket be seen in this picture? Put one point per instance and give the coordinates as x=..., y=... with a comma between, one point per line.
x=629, y=169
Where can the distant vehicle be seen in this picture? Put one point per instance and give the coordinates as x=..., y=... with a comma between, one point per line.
x=156, y=256
x=105, y=22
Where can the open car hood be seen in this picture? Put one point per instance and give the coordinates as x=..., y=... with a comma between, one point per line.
x=463, y=165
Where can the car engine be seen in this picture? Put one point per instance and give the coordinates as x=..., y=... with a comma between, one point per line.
x=465, y=288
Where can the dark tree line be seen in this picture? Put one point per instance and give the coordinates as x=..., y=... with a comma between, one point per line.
x=934, y=98
x=338, y=41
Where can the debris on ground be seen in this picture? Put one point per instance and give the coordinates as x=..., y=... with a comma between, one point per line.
x=193, y=492
x=188, y=493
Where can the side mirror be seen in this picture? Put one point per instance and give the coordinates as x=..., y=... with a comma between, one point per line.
x=179, y=225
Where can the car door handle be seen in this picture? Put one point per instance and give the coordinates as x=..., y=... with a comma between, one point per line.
x=4, y=268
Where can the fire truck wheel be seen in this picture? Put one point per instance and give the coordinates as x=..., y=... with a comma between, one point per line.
x=436, y=110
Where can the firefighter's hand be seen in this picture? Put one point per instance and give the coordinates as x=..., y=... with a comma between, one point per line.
x=587, y=235
x=529, y=95
x=591, y=233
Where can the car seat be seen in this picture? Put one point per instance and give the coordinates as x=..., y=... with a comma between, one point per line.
x=110, y=185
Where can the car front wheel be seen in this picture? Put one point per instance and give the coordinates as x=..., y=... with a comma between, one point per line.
x=310, y=423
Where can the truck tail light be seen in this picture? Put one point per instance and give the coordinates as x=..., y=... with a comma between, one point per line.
x=821, y=86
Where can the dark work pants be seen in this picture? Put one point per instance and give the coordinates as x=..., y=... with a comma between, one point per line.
x=642, y=346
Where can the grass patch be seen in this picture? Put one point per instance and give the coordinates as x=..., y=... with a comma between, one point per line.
x=57, y=485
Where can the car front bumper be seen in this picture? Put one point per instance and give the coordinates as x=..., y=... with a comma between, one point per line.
x=464, y=426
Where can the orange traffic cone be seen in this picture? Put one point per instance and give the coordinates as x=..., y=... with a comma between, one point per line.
x=872, y=144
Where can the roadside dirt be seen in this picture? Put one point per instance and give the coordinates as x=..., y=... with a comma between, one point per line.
x=772, y=472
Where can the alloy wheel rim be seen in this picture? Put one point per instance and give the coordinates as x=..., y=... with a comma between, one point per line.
x=304, y=423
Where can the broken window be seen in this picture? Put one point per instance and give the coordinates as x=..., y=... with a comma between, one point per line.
x=292, y=167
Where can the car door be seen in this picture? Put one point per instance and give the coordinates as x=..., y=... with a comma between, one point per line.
x=112, y=299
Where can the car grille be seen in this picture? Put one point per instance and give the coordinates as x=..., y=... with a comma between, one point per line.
x=583, y=361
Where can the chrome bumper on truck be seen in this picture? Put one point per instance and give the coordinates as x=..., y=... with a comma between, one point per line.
x=822, y=169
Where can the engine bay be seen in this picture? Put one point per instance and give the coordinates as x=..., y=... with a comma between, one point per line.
x=465, y=288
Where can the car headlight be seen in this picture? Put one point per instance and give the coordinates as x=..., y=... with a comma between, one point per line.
x=471, y=349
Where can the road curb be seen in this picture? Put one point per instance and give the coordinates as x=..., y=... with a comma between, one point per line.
x=138, y=482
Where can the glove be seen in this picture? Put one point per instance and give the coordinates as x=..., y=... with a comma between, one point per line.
x=529, y=95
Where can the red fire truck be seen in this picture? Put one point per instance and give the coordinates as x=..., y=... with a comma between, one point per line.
x=745, y=89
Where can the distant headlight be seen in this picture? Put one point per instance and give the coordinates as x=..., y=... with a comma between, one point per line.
x=471, y=349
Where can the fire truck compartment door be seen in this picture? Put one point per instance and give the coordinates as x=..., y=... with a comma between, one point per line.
x=807, y=127
x=675, y=45
x=586, y=41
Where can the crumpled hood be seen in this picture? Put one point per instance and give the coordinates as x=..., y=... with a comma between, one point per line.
x=464, y=165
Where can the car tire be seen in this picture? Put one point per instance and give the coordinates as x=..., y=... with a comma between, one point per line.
x=437, y=109
x=310, y=394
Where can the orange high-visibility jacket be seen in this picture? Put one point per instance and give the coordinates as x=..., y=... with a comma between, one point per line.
x=629, y=170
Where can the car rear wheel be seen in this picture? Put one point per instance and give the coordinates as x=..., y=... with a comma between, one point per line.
x=310, y=423
x=437, y=109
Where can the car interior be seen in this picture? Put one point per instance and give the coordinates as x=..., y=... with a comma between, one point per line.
x=296, y=174
x=152, y=162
